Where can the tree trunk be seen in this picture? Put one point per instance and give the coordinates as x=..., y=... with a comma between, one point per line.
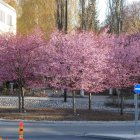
x=74, y=103
x=19, y=101
x=22, y=95
x=122, y=103
x=66, y=16
x=89, y=101
x=83, y=14
x=65, y=95
x=118, y=94
x=21, y=98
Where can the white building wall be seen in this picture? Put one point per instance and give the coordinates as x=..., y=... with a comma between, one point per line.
x=8, y=11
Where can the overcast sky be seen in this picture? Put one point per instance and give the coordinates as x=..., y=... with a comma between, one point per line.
x=102, y=8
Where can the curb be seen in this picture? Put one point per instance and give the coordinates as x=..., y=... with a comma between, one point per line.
x=114, y=136
x=73, y=122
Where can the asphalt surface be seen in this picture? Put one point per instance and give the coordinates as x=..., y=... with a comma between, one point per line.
x=54, y=137
x=66, y=138
x=64, y=130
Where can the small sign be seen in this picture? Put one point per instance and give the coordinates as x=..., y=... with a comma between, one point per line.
x=137, y=88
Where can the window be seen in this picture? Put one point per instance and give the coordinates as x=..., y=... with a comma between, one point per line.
x=2, y=16
x=9, y=20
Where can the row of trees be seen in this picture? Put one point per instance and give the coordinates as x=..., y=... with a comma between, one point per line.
x=123, y=17
x=84, y=60
x=47, y=15
x=54, y=14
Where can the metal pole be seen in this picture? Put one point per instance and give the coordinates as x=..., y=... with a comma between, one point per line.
x=136, y=113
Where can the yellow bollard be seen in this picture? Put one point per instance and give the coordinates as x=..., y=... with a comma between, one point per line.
x=0, y=138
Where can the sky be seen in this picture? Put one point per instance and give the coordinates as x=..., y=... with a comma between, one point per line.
x=102, y=9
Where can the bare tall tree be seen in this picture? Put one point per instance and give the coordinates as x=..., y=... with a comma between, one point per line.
x=62, y=23
x=115, y=15
x=60, y=14
x=132, y=18
x=88, y=15
x=82, y=19
x=115, y=19
x=88, y=21
x=66, y=16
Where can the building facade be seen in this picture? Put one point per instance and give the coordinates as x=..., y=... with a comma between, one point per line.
x=7, y=18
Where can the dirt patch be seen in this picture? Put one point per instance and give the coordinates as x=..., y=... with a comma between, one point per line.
x=52, y=114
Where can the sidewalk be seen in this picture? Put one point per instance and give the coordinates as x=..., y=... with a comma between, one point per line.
x=126, y=133
x=115, y=136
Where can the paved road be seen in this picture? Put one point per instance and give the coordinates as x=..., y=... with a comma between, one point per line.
x=64, y=138
x=47, y=129
x=55, y=137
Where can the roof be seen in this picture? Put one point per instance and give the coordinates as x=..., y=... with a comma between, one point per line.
x=7, y=5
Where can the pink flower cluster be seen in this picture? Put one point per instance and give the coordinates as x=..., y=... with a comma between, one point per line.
x=82, y=60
